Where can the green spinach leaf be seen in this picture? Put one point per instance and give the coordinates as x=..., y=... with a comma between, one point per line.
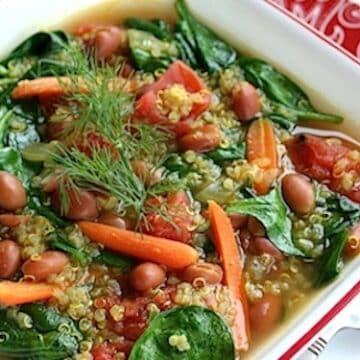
x=112, y=259
x=158, y=28
x=272, y=212
x=331, y=260
x=287, y=100
x=60, y=242
x=174, y=163
x=234, y=152
x=207, y=335
x=211, y=53
x=30, y=344
x=46, y=319
x=150, y=53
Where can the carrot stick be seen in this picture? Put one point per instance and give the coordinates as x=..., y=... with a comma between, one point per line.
x=12, y=220
x=227, y=248
x=53, y=86
x=45, y=86
x=261, y=151
x=163, y=251
x=16, y=293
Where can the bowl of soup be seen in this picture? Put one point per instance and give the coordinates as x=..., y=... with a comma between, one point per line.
x=172, y=186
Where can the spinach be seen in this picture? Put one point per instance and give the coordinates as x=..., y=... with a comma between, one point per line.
x=112, y=259
x=212, y=54
x=38, y=44
x=156, y=27
x=174, y=163
x=154, y=46
x=206, y=332
x=344, y=214
x=288, y=102
x=60, y=242
x=272, y=212
x=150, y=53
x=46, y=319
x=37, y=203
x=234, y=152
x=331, y=260
x=31, y=344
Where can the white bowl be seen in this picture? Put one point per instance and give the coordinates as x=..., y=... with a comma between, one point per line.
x=331, y=79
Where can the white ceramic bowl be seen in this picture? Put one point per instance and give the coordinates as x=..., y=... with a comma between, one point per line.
x=331, y=79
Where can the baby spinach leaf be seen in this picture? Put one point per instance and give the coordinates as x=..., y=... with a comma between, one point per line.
x=38, y=45
x=272, y=212
x=287, y=99
x=60, y=242
x=330, y=263
x=46, y=319
x=150, y=53
x=211, y=52
x=207, y=335
x=30, y=344
x=112, y=259
x=158, y=28
x=174, y=163
x=234, y=152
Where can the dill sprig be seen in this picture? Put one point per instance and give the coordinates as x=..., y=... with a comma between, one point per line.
x=105, y=107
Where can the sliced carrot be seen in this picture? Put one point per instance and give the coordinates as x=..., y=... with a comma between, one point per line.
x=16, y=293
x=228, y=250
x=12, y=220
x=54, y=86
x=45, y=86
x=146, y=247
x=261, y=151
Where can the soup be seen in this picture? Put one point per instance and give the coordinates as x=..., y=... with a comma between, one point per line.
x=159, y=199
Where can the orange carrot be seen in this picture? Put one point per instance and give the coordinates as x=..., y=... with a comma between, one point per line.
x=53, y=86
x=227, y=248
x=261, y=151
x=16, y=293
x=12, y=220
x=163, y=251
x=45, y=86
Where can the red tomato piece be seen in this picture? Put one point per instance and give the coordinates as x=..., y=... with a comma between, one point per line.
x=178, y=73
x=319, y=158
x=104, y=352
x=180, y=222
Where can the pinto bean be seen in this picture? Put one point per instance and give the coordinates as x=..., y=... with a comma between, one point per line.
x=246, y=101
x=264, y=245
x=108, y=218
x=13, y=195
x=10, y=258
x=211, y=273
x=147, y=276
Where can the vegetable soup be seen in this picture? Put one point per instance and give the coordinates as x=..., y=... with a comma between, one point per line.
x=159, y=198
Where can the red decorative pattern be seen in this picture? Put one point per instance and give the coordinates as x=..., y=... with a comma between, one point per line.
x=336, y=20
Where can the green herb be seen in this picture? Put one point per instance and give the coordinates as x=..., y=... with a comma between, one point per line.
x=233, y=152
x=112, y=259
x=287, y=101
x=212, y=54
x=206, y=333
x=272, y=212
x=30, y=344
x=330, y=263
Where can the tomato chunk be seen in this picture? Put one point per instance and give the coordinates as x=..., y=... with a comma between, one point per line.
x=328, y=160
x=179, y=73
x=176, y=224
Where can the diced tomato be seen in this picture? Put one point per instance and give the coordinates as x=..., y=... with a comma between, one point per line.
x=178, y=73
x=179, y=225
x=93, y=140
x=319, y=158
x=104, y=352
